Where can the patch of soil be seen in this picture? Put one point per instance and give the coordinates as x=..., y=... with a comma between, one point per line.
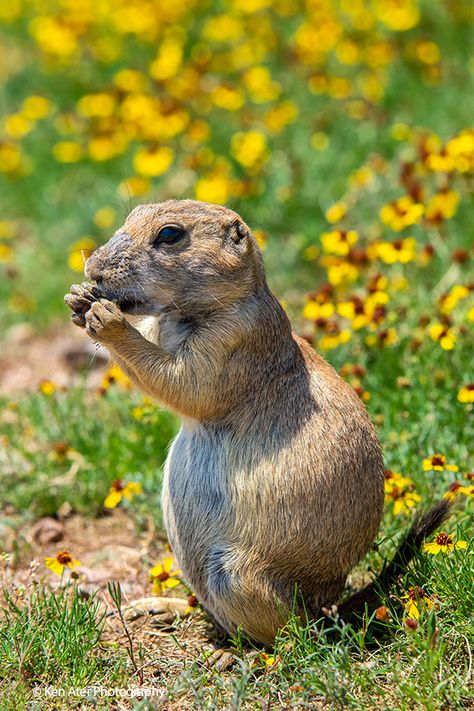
x=60, y=354
x=108, y=548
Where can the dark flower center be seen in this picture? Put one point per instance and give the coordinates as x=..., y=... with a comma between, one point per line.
x=64, y=557
x=444, y=539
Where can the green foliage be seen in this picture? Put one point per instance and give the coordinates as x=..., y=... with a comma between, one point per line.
x=53, y=638
x=104, y=442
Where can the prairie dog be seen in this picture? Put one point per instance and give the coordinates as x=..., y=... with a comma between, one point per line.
x=273, y=488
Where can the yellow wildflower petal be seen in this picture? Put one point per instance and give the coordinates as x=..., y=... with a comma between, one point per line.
x=432, y=548
x=112, y=499
x=72, y=564
x=156, y=587
x=156, y=570
x=411, y=609
x=168, y=564
x=54, y=565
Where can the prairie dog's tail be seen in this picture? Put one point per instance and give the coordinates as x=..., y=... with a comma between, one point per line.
x=421, y=528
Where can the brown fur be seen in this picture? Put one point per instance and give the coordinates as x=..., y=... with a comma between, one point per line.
x=274, y=483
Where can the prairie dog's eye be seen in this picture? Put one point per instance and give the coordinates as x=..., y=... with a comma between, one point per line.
x=168, y=235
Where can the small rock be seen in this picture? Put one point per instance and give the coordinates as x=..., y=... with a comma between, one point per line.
x=47, y=530
x=86, y=356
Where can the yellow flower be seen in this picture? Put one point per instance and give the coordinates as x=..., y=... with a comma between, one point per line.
x=313, y=310
x=80, y=252
x=442, y=206
x=250, y=149
x=417, y=600
x=279, y=116
x=6, y=253
x=10, y=158
x=60, y=451
x=134, y=186
x=443, y=543
x=330, y=341
x=268, y=659
x=437, y=463
x=62, y=560
x=114, y=375
x=336, y=212
x=36, y=107
x=339, y=242
x=399, y=491
x=67, y=152
x=428, y=52
x=152, y=162
x=54, y=36
x=453, y=491
x=444, y=335
x=401, y=213
x=121, y=490
x=129, y=80
x=214, y=187
x=162, y=578
x=168, y=59
x=341, y=272
x=401, y=250
x=319, y=141
x=104, y=217
x=466, y=394
x=260, y=86
x=96, y=105
x=383, y=338
x=228, y=98
x=47, y=387
x=17, y=125
x=394, y=479
x=449, y=301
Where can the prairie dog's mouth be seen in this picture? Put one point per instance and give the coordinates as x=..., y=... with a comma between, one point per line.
x=128, y=303
x=132, y=306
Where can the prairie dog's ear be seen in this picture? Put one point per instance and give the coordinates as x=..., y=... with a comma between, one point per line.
x=238, y=232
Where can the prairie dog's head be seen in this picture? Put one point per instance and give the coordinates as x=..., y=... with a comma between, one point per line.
x=181, y=255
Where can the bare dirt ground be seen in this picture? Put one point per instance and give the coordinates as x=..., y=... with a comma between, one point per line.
x=58, y=354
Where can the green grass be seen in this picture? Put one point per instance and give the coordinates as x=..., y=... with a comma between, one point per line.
x=105, y=442
x=53, y=639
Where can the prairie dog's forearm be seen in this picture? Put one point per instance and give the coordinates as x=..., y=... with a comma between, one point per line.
x=185, y=382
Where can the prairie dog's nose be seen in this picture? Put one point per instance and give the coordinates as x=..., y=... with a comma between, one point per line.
x=93, y=267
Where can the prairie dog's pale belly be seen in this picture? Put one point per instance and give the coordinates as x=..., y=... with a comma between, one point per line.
x=197, y=507
x=233, y=504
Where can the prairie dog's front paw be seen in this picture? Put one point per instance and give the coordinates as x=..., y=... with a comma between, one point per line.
x=104, y=321
x=79, y=299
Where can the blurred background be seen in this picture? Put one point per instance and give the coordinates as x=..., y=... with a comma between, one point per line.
x=339, y=130
x=305, y=117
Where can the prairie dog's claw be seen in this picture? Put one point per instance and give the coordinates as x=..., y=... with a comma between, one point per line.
x=80, y=298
